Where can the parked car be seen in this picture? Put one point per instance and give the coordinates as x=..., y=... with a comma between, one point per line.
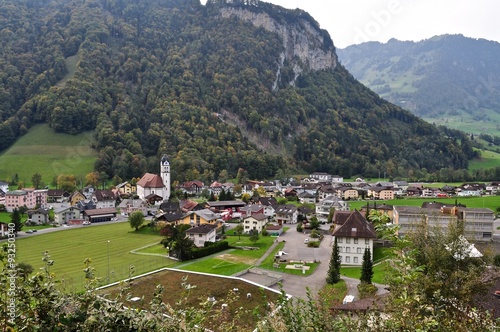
x=306, y=241
x=29, y=231
x=86, y=223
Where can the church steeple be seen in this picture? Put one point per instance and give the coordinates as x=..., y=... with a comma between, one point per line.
x=165, y=175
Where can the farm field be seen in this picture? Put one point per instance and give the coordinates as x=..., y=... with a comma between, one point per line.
x=69, y=248
x=49, y=154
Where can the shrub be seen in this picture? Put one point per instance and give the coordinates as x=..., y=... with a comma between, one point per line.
x=315, y=234
x=213, y=249
x=496, y=260
x=265, y=232
x=300, y=228
x=313, y=244
x=366, y=290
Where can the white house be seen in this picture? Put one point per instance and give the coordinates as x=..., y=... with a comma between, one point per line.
x=353, y=237
x=104, y=199
x=254, y=222
x=202, y=234
x=65, y=213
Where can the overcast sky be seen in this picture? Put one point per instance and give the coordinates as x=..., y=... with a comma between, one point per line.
x=355, y=21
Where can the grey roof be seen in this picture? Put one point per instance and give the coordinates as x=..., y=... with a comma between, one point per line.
x=202, y=229
x=356, y=226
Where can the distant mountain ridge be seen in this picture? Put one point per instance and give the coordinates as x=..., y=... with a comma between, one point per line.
x=232, y=84
x=451, y=79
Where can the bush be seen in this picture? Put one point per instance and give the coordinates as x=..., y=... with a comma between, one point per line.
x=315, y=234
x=313, y=244
x=300, y=228
x=213, y=249
x=265, y=232
x=496, y=260
x=366, y=290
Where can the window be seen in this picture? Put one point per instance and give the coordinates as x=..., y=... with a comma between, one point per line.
x=355, y=241
x=347, y=249
x=355, y=259
x=367, y=241
x=199, y=235
x=340, y=258
x=358, y=251
x=339, y=240
x=347, y=240
x=347, y=259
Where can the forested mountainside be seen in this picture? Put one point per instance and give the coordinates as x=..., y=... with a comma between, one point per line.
x=216, y=87
x=448, y=79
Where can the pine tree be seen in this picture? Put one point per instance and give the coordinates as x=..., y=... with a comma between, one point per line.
x=333, y=275
x=367, y=267
x=15, y=218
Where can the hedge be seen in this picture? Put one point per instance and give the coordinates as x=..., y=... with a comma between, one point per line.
x=212, y=249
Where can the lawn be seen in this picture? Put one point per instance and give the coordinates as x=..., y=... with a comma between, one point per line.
x=156, y=249
x=490, y=202
x=263, y=244
x=50, y=154
x=332, y=295
x=379, y=272
x=70, y=247
x=221, y=265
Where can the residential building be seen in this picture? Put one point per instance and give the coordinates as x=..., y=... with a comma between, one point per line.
x=286, y=214
x=493, y=188
x=201, y=217
x=324, y=206
x=254, y=222
x=27, y=197
x=321, y=177
x=4, y=186
x=130, y=206
x=75, y=197
x=65, y=213
x=100, y=215
x=274, y=230
x=307, y=198
x=353, y=237
x=104, y=199
x=381, y=193
x=38, y=216
x=126, y=188
x=192, y=187
x=202, y=234
x=57, y=195
x=478, y=223
x=347, y=193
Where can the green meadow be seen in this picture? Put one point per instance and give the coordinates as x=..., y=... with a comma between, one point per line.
x=69, y=248
x=48, y=153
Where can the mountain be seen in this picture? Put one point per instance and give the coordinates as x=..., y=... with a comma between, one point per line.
x=229, y=85
x=451, y=79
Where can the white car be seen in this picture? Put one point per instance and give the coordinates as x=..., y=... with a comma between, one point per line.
x=306, y=241
x=86, y=223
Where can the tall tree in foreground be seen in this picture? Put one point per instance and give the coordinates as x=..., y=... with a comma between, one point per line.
x=15, y=218
x=333, y=275
x=367, y=267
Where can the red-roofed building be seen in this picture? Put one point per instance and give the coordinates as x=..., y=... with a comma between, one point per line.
x=153, y=184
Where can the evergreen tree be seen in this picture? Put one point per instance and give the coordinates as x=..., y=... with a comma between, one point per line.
x=333, y=275
x=212, y=197
x=222, y=196
x=367, y=267
x=15, y=218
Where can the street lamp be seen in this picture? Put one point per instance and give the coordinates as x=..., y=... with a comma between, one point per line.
x=108, y=260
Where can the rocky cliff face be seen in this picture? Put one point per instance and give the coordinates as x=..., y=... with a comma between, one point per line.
x=304, y=45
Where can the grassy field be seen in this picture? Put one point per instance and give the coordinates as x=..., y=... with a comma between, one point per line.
x=490, y=202
x=43, y=151
x=379, y=272
x=69, y=248
x=489, y=159
x=219, y=266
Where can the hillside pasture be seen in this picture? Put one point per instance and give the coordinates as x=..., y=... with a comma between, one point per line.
x=48, y=153
x=69, y=248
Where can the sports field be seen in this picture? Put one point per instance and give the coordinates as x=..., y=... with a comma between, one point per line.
x=48, y=153
x=69, y=248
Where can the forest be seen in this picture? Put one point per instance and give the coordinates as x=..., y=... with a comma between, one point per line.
x=175, y=77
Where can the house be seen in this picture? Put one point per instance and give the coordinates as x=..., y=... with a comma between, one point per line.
x=478, y=223
x=408, y=218
x=170, y=207
x=174, y=217
x=493, y=188
x=57, y=195
x=202, y=234
x=4, y=229
x=267, y=201
x=201, y=217
x=306, y=197
x=337, y=179
x=88, y=192
x=192, y=187
x=65, y=213
x=413, y=191
x=129, y=206
x=347, y=193
x=286, y=214
x=382, y=193
x=324, y=206
x=100, y=215
x=38, y=216
x=75, y=197
x=321, y=177
x=340, y=217
x=274, y=230
x=126, y=188
x=305, y=212
x=2, y=197
x=85, y=204
x=353, y=237
x=188, y=206
x=384, y=208
x=28, y=197
x=4, y=186
x=104, y=199
x=325, y=191
x=254, y=222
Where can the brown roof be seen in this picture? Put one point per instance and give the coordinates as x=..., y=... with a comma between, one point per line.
x=151, y=181
x=97, y=212
x=340, y=217
x=104, y=195
x=356, y=226
x=257, y=216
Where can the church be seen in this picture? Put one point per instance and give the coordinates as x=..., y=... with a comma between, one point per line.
x=156, y=188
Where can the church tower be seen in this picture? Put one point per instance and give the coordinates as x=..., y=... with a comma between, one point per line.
x=165, y=176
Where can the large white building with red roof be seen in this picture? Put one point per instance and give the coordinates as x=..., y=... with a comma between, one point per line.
x=152, y=186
